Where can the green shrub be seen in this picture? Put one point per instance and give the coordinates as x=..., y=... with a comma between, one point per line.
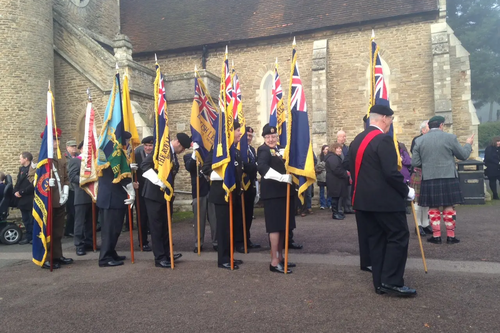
x=486, y=133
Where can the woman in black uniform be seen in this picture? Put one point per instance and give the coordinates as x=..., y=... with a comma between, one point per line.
x=271, y=167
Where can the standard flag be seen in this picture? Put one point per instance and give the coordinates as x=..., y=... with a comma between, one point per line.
x=42, y=205
x=111, y=153
x=224, y=133
x=88, y=169
x=298, y=152
x=203, y=115
x=378, y=91
x=162, y=152
x=277, y=116
x=128, y=120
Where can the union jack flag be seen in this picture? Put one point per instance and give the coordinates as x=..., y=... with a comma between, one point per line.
x=236, y=94
x=298, y=101
x=206, y=108
x=203, y=117
x=277, y=117
x=379, y=94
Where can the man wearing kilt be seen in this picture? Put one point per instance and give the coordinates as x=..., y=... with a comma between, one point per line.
x=435, y=153
x=274, y=182
x=422, y=213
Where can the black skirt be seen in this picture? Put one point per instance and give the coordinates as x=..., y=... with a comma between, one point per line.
x=440, y=192
x=275, y=214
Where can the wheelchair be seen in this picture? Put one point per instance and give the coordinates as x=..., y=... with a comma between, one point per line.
x=10, y=232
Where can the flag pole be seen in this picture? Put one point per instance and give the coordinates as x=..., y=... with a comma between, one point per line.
x=231, y=240
x=198, y=203
x=171, y=245
x=138, y=209
x=49, y=216
x=418, y=235
x=131, y=232
x=244, y=222
x=287, y=227
x=94, y=227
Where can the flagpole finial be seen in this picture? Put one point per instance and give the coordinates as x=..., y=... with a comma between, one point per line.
x=232, y=63
x=226, y=49
x=294, y=42
x=373, y=33
x=156, y=59
x=88, y=94
x=116, y=64
x=276, y=60
x=195, y=70
x=49, y=84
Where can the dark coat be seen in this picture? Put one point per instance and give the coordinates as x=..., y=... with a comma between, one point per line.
x=62, y=171
x=379, y=186
x=24, y=185
x=336, y=176
x=151, y=191
x=109, y=194
x=269, y=188
x=139, y=157
x=81, y=197
x=492, y=161
x=190, y=165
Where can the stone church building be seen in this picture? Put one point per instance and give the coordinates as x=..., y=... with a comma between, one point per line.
x=76, y=43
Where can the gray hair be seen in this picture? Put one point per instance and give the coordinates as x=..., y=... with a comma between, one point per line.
x=423, y=125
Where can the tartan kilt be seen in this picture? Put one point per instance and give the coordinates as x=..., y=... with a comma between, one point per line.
x=416, y=180
x=440, y=192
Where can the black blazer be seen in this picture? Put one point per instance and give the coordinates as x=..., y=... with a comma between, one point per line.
x=190, y=165
x=151, y=191
x=336, y=176
x=217, y=194
x=139, y=157
x=492, y=161
x=24, y=185
x=110, y=195
x=81, y=197
x=269, y=188
x=380, y=186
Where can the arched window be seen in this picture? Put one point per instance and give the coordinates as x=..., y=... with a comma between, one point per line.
x=266, y=89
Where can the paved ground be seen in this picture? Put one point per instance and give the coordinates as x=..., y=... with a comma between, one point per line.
x=326, y=292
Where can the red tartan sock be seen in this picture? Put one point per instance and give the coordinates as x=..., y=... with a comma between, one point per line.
x=449, y=218
x=435, y=220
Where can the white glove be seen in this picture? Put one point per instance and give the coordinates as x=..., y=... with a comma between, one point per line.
x=152, y=176
x=64, y=196
x=52, y=182
x=195, y=146
x=131, y=194
x=275, y=175
x=257, y=198
x=411, y=194
x=134, y=166
x=282, y=151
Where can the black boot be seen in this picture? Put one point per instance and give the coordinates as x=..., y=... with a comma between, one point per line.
x=335, y=210
x=495, y=196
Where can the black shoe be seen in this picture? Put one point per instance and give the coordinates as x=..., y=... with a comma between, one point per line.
x=163, y=264
x=55, y=265
x=428, y=230
x=119, y=258
x=227, y=266
x=253, y=245
x=434, y=240
x=112, y=263
x=64, y=261
x=366, y=268
x=337, y=216
x=421, y=231
x=452, y=240
x=146, y=248
x=379, y=291
x=295, y=246
x=216, y=248
x=177, y=256
x=81, y=251
x=240, y=249
x=237, y=261
x=495, y=197
x=348, y=211
x=403, y=291
x=24, y=241
x=196, y=249
x=279, y=269
x=290, y=264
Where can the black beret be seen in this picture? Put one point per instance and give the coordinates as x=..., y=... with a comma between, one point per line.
x=149, y=139
x=249, y=129
x=184, y=140
x=126, y=135
x=381, y=109
x=236, y=125
x=80, y=145
x=437, y=119
x=268, y=129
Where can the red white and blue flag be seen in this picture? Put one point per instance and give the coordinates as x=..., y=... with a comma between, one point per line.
x=298, y=153
x=277, y=116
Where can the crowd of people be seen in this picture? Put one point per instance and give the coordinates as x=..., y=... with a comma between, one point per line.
x=349, y=180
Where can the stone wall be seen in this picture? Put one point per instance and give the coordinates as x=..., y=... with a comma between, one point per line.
x=26, y=65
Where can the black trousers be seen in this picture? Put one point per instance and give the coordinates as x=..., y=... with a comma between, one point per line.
x=70, y=213
x=388, y=238
x=223, y=235
x=249, y=205
x=111, y=228
x=237, y=221
x=493, y=185
x=144, y=221
x=27, y=217
x=364, y=247
x=158, y=225
x=83, y=226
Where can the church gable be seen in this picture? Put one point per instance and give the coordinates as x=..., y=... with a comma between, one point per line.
x=155, y=25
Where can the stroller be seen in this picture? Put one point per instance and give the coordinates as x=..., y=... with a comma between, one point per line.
x=10, y=233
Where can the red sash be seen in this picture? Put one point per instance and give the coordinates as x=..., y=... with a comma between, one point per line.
x=359, y=157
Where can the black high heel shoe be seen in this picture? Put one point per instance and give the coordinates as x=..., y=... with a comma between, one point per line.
x=279, y=269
